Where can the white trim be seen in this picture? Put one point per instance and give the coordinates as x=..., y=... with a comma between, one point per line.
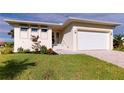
x=93, y=29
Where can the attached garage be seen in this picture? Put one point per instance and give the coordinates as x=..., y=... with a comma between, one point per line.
x=93, y=40
x=91, y=34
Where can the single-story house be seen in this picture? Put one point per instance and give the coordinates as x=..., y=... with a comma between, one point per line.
x=74, y=34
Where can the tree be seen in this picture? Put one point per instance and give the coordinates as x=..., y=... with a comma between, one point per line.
x=118, y=41
x=11, y=33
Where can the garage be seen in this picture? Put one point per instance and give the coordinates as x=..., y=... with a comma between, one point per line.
x=93, y=40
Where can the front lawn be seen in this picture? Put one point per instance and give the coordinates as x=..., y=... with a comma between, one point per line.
x=56, y=67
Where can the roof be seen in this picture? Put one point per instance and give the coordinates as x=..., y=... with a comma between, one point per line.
x=74, y=19
x=68, y=21
x=31, y=22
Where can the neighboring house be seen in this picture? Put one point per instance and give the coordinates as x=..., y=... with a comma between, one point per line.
x=2, y=43
x=73, y=34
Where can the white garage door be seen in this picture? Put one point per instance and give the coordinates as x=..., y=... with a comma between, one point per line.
x=92, y=40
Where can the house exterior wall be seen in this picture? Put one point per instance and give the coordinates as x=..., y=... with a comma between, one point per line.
x=67, y=38
x=23, y=38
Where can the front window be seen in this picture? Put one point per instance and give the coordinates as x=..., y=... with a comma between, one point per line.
x=24, y=28
x=34, y=29
x=44, y=29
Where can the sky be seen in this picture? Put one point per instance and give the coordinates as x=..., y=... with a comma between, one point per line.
x=57, y=18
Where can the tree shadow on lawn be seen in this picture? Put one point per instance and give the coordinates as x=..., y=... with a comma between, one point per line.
x=13, y=68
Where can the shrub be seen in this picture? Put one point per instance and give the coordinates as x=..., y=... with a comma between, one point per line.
x=118, y=41
x=27, y=51
x=51, y=52
x=20, y=50
x=10, y=44
x=6, y=50
x=43, y=50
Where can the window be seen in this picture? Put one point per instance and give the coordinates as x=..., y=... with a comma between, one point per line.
x=24, y=28
x=34, y=29
x=44, y=29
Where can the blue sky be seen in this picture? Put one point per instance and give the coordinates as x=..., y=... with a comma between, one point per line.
x=58, y=18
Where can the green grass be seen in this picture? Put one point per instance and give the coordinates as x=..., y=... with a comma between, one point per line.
x=57, y=67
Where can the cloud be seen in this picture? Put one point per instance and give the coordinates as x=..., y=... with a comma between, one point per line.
x=114, y=17
x=54, y=17
x=2, y=22
x=3, y=31
x=6, y=39
x=47, y=17
x=1, y=39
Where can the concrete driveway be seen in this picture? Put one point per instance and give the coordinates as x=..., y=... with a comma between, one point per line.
x=114, y=57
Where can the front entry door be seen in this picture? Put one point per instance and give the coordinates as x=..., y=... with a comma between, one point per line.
x=55, y=38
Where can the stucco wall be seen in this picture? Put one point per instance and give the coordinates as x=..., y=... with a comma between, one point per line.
x=23, y=39
x=67, y=38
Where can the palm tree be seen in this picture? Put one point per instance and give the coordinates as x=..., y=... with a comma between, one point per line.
x=11, y=33
x=118, y=41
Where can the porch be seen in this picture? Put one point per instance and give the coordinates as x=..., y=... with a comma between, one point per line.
x=57, y=40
